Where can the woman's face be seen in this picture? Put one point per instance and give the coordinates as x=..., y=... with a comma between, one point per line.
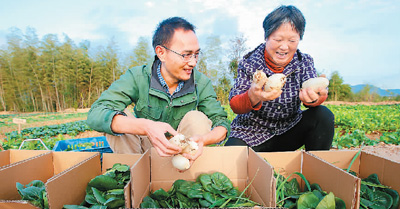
x=282, y=44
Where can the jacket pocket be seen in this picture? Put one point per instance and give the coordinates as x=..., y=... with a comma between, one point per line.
x=148, y=111
x=180, y=111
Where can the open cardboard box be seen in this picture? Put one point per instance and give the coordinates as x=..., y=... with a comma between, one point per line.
x=8, y=157
x=364, y=165
x=329, y=177
x=62, y=173
x=240, y=164
x=109, y=159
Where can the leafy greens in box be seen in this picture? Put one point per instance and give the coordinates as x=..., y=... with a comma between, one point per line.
x=375, y=195
x=35, y=193
x=208, y=191
x=106, y=190
x=289, y=194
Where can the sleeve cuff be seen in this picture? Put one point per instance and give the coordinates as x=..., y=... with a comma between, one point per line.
x=117, y=113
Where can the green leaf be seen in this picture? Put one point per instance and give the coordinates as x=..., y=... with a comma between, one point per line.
x=116, y=192
x=307, y=200
x=89, y=198
x=395, y=196
x=328, y=202
x=205, y=180
x=36, y=183
x=98, y=207
x=99, y=196
x=292, y=187
x=74, y=207
x=204, y=203
x=159, y=194
x=121, y=167
x=115, y=203
x=373, y=178
x=148, y=202
x=104, y=183
x=381, y=200
x=196, y=191
x=221, y=181
x=339, y=203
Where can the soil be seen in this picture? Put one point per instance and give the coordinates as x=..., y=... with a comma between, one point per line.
x=389, y=151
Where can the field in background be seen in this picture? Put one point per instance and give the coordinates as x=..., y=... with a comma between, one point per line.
x=356, y=125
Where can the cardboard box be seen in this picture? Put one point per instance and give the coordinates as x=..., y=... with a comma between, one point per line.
x=109, y=159
x=8, y=157
x=364, y=165
x=61, y=172
x=240, y=164
x=329, y=177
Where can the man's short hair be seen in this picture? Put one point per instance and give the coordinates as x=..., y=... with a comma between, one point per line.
x=166, y=28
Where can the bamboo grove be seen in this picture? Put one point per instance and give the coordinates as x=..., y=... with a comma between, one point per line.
x=49, y=76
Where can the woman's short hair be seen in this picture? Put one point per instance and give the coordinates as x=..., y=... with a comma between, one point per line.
x=282, y=15
x=166, y=28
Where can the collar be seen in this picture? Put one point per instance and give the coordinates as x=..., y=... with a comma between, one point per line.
x=188, y=86
x=164, y=83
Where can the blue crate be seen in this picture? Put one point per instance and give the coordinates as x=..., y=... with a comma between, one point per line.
x=99, y=144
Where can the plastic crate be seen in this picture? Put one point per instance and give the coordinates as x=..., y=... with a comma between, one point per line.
x=92, y=144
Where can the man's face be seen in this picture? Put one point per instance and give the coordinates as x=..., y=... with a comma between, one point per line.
x=174, y=69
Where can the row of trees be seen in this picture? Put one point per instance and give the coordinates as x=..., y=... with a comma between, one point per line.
x=50, y=75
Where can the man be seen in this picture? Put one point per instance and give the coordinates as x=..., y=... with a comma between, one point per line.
x=169, y=94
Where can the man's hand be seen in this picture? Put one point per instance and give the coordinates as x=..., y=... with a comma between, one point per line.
x=156, y=132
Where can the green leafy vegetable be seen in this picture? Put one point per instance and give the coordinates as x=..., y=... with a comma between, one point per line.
x=34, y=192
x=289, y=194
x=208, y=191
x=107, y=190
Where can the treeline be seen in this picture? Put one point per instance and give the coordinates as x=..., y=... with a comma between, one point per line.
x=49, y=75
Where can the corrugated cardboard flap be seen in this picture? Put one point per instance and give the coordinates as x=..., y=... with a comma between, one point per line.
x=39, y=167
x=331, y=179
x=140, y=179
x=260, y=177
x=16, y=204
x=9, y=157
x=69, y=186
x=109, y=159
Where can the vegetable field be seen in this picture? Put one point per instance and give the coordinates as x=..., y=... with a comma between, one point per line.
x=356, y=125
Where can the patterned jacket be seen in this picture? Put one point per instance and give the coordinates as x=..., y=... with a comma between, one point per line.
x=277, y=116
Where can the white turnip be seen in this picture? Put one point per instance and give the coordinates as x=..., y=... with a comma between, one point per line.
x=275, y=82
x=315, y=83
x=188, y=146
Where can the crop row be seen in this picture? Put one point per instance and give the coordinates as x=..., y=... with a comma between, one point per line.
x=38, y=117
x=353, y=123
x=48, y=134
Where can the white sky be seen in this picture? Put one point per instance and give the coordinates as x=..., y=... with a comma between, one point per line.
x=357, y=38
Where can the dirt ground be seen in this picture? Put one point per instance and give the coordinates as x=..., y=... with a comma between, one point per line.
x=391, y=152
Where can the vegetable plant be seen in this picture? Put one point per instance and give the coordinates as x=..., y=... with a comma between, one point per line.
x=34, y=192
x=208, y=191
x=375, y=195
x=106, y=190
x=289, y=194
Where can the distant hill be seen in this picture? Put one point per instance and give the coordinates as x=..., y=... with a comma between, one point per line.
x=381, y=92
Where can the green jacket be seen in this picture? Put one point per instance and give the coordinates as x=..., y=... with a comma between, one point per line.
x=141, y=86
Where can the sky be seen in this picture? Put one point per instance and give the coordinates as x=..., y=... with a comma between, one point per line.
x=360, y=39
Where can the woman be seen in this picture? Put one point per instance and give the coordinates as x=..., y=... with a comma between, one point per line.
x=273, y=121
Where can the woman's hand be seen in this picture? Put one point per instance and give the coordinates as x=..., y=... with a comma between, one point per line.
x=257, y=94
x=311, y=98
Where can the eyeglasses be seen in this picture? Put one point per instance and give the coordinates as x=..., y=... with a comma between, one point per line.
x=185, y=57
